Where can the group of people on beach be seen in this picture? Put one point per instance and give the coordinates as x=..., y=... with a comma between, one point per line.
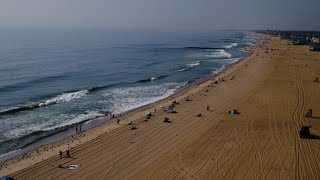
x=78, y=130
x=67, y=153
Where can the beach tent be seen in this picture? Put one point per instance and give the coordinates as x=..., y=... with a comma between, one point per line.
x=233, y=112
x=7, y=178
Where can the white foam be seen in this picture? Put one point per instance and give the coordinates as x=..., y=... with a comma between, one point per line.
x=193, y=64
x=223, y=67
x=65, y=120
x=220, y=54
x=64, y=98
x=125, y=99
x=183, y=69
x=52, y=124
x=231, y=45
x=220, y=69
x=189, y=66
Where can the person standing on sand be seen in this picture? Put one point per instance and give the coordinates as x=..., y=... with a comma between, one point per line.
x=112, y=115
x=60, y=152
x=118, y=120
x=68, y=154
x=80, y=129
x=208, y=108
x=76, y=129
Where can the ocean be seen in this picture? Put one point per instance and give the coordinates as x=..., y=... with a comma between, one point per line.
x=53, y=80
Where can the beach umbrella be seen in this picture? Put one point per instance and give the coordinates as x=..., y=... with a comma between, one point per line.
x=169, y=108
x=7, y=178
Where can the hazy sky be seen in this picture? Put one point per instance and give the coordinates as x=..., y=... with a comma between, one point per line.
x=163, y=14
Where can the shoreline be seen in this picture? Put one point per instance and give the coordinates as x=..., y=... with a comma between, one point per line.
x=272, y=90
x=94, y=122
x=41, y=150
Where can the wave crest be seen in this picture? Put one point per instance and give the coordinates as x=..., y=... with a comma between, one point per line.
x=220, y=54
x=188, y=66
x=64, y=98
x=152, y=79
x=231, y=45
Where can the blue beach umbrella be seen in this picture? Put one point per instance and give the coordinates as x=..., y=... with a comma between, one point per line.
x=7, y=178
x=169, y=108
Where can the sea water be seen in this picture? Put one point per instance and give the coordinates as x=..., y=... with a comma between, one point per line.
x=52, y=80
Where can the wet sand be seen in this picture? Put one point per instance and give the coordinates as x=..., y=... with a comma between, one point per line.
x=272, y=89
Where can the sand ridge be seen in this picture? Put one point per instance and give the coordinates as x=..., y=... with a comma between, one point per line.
x=272, y=89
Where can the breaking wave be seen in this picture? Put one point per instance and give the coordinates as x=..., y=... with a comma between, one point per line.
x=231, y=45
x=188, y=66
x=201, y=48
x=152, y=79
x=219, y=54
x=223, y=67
x=64, y=97
x=127, y=98
x=30, y=133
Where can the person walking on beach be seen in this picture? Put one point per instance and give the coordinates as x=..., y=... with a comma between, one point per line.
x=68, y=154
x=118, y=120
x=60, y=152
x=208, y=108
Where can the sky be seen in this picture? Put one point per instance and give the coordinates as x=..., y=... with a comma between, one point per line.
x=162, y=14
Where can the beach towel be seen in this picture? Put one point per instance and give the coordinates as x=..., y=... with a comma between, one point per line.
x=72, y=167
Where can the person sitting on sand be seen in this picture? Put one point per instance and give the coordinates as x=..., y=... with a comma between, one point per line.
x=199, y=115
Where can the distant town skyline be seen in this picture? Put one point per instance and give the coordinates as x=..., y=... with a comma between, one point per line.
x=164, y=14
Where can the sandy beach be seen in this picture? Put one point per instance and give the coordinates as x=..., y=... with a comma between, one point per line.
x=272, y=89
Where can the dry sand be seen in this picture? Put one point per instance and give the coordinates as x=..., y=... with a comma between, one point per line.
x=272, y=89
